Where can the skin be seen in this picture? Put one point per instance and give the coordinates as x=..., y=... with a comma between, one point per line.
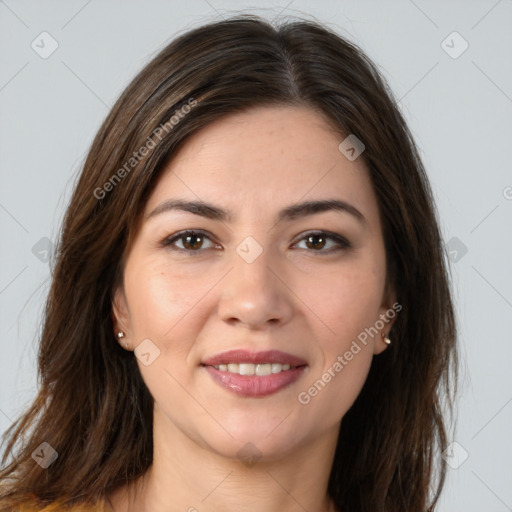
x=293, y=297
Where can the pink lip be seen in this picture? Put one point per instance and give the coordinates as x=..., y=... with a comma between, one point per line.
x=245, y=356
x=253, y=385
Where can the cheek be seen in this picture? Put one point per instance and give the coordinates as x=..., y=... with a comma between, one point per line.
x=161, y=299
x=337, y=386
x=347, y=301
x=164, y=307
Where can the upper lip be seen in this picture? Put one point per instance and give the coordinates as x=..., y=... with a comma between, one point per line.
x=247, y=356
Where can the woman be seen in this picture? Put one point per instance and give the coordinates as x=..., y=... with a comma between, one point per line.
x=250, y=306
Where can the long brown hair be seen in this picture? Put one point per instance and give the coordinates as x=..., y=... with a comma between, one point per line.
x=93, y=407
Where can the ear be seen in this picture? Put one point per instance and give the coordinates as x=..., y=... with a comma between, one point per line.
x=120, y=313
x=387, y=315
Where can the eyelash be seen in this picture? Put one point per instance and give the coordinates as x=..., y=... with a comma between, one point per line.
x=343, y=244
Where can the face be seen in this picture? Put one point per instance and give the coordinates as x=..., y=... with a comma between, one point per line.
x=289, y=289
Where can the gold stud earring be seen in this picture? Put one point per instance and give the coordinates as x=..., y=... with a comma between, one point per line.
x=387, y=341
x=120, y=336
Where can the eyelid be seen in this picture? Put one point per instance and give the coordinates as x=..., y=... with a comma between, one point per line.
x=342, y=242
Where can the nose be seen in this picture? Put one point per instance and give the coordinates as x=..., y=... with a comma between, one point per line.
x=254, y=294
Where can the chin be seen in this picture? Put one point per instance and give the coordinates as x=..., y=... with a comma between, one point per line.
x=269, y=435
x=250, y=447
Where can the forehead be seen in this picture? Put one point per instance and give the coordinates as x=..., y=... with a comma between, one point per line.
x=267, y=158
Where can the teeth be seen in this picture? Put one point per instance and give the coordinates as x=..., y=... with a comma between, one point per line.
x=246, y=369
x=260, y=370
x=276, y=367
x=263, y=369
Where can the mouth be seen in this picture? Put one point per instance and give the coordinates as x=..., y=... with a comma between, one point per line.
x=254, y=374
x=260, y=370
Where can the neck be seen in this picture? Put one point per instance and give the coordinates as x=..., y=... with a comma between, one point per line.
x=189, y=477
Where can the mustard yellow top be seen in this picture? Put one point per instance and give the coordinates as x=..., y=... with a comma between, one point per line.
x=57, y=506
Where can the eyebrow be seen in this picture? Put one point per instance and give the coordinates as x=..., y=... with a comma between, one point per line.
x=292, y=212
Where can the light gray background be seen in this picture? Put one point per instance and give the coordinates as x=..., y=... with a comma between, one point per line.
x=459, y=110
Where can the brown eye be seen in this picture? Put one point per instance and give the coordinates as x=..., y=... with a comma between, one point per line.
x=317, y=241
x=188, y=241
x=192, y=241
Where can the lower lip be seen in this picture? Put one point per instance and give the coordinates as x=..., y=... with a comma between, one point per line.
x=252, y=385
